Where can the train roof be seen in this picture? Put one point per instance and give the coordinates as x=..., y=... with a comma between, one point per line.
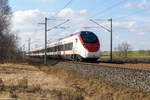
x=68, y=36
x=71, y=35
x=53, y=42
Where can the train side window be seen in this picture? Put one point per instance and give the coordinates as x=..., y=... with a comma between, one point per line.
x=55, y=48
x=63, y=47
x=68, y=46
x=60, y=47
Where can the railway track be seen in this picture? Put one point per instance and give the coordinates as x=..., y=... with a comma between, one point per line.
x=130, y=77
x=139, y=66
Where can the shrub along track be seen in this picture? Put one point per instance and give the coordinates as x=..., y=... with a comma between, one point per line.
x=135, y=77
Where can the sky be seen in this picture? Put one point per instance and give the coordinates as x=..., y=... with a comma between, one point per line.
x=131, y=20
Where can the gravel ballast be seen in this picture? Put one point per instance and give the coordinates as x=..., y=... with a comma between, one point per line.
x=132, y=78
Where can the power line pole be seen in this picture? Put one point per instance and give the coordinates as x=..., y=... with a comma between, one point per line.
x=45, y=51
x=110, y=39
x=46, y=30
x=45, y=57
x=29, y=46
x=109, y=30
x=23, y=50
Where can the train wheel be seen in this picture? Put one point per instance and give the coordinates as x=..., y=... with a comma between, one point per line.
x=79, y=58
x=73, y=58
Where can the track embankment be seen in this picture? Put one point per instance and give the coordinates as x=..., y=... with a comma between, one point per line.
x=130, y=77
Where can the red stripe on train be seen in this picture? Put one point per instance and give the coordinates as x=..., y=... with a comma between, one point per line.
x=91, y=47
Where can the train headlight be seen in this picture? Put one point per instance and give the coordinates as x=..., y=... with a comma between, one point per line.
x=85, y=46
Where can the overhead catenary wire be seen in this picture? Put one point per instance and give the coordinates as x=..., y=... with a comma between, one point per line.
x=45, y=23
x=68, y=3
x=58, y=25
x=109, y=8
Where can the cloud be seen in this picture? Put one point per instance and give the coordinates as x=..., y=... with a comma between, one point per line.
x=135, y=33
x=124, y=25
x=27, y=20
x=68, y=12
x=84, y=11
x=139, y=18
x=141, y=4
x=133, y=27
x=128, y=5
x=26, y=25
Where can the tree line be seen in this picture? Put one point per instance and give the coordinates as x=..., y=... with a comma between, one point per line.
x=124, y=50
x=8, y=42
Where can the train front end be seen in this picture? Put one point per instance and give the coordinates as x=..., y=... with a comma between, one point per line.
x=91, y=45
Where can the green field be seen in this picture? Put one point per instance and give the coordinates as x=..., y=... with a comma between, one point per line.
x=140, y=55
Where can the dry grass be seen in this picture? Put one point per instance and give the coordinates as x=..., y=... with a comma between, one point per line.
x=94, y=89
x=27, y=82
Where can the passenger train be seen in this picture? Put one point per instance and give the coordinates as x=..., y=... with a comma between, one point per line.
x=83, y=45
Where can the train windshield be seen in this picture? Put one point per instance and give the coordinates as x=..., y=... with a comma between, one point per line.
x=88, y=37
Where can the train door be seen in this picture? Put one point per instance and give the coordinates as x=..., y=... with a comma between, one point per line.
x=74, y=48
x=59, y=50
x=64, y=54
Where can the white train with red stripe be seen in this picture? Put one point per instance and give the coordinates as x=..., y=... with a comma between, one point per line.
x=78, y=46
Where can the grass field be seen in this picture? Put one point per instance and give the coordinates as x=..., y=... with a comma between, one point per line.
x=138, y=56
x=27, y=82
x=129, y=57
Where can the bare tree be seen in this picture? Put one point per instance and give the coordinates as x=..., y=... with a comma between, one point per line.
x=123, y=49
x=8, y=46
